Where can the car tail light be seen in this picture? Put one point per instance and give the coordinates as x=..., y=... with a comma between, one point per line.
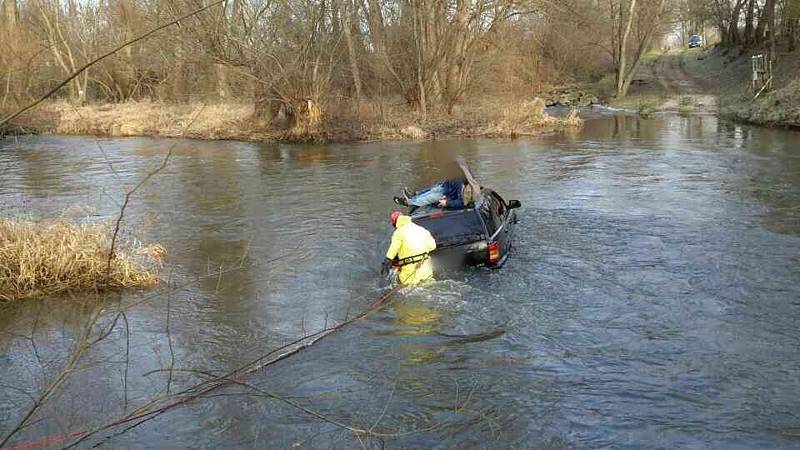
x=494, y=252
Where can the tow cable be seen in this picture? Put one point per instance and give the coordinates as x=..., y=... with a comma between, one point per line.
x=194, y=392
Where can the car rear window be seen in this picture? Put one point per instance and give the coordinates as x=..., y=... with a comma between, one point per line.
x=452, y=227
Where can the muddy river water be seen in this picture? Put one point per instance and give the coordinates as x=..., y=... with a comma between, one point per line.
x=652, y=298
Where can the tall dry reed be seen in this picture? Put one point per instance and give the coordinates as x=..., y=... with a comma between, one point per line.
x=51, y=257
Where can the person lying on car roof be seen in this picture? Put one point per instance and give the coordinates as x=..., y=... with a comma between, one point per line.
x=455, y=193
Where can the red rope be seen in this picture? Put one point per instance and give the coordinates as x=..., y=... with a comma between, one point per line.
x=46, y=441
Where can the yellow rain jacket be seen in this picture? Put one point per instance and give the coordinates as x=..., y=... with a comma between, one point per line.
x=410, y=239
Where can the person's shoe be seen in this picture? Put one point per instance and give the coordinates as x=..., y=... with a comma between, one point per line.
x=401, y=201
x=408, y=192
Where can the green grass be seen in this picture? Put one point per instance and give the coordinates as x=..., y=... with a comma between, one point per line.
x=644, y=104
x=685, y=105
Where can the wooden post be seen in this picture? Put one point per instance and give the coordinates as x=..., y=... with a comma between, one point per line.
x=762, y=73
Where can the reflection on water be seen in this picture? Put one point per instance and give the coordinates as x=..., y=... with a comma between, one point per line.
x=417, y=318
x=651, y=299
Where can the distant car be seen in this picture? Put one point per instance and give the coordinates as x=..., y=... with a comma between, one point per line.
x=695, y=41
x=476, y=236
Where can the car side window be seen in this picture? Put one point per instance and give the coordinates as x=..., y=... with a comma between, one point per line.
x=496, y=214
x=486, y=215
x=501, y=206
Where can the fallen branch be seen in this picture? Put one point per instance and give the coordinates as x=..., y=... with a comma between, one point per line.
x=233, y=377
x=762, y=88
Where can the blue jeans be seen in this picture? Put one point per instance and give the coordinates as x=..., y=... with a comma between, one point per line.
x=427, y=197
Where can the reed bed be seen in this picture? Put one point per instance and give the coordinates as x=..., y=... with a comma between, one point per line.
x=57, y=256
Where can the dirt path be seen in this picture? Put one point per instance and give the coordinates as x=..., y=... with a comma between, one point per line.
x=671, y=73
x=683, y=91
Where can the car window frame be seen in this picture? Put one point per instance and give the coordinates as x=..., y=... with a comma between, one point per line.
x=503, y=212
x=485, y=207
x=496, y=209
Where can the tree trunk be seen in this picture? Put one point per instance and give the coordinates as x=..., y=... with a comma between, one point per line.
x=792, y=18
x=748, y=22
x=623, y=48
x=223, y=88
x=643, y=46
x=770, y=6
x=178, y=76
x=614, y=32
x=430, y=17
x=377, y=37
x=733, y=24
x=345, y=15
x=375, y=22
x=236, y=13
x=267, y=109
x=418, y=41
x=761, y=27
x=57, y=41
x=457, y=56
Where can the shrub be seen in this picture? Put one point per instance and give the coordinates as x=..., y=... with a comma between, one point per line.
x=50, y=257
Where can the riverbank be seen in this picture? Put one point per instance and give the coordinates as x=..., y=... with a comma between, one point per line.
x=235, y=121
x=730, y=70
x=713, y=81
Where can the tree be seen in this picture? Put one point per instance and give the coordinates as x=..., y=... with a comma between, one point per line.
x=649, y=18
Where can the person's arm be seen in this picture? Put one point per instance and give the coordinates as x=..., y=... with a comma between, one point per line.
x=457, y=199
x=456, y=203
x=391, y=253
x=394, y=247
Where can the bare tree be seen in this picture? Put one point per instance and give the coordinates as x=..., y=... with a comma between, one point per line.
x=649, y=18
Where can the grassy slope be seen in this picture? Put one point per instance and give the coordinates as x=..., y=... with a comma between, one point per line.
x=731, y=69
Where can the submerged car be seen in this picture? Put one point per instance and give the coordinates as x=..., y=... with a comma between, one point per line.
x=478, y=236
x=695, y=41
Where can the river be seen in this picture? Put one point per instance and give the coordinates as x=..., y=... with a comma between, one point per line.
x=651, y=300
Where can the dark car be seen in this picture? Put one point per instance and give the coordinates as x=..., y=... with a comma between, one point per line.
x=695, y=41
x=477, y=236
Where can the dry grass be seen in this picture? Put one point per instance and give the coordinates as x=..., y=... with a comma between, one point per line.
x=494, y=118
x=207, y=121
x=51, y=257
x=530, y=114
x=383, y=119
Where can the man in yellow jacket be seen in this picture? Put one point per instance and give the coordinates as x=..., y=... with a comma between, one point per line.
x=410, y=245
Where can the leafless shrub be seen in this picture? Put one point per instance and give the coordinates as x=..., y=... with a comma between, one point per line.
x=50, y=257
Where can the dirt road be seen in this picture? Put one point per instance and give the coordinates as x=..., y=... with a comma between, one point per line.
x=663, y=82
x=671, y=73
